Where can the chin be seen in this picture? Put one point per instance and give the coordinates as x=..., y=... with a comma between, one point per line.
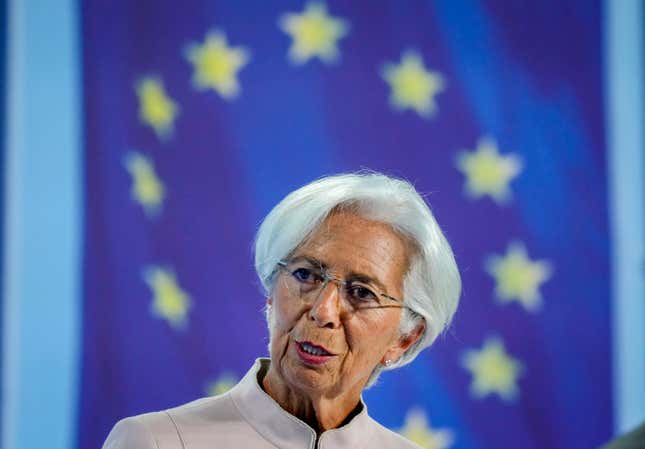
x=306, y=378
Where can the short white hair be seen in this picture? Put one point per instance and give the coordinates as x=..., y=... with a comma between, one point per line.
x=432, y=284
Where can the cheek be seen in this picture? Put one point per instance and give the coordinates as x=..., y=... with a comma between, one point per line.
x=284, y=315
x=372, y=336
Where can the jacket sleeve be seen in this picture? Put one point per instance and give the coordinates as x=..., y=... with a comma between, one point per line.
x=130, y=433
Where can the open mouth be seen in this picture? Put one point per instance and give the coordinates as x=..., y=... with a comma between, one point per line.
x=312, y=349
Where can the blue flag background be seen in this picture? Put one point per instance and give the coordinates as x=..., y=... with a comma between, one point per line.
x=200, y=117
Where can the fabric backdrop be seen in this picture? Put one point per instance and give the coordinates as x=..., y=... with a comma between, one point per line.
x=201, y=115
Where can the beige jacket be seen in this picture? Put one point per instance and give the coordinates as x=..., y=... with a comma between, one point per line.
x=244, y=418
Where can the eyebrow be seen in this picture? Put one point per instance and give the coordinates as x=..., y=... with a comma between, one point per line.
x=353, y=276
x=311, y=260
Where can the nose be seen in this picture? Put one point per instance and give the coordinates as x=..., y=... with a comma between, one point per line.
x=327, y=307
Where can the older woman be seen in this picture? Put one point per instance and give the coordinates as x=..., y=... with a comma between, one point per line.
x=359, y=279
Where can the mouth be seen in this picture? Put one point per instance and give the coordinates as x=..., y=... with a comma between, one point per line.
x=313, y=354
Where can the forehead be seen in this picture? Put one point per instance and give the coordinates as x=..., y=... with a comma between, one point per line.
x=348, y=243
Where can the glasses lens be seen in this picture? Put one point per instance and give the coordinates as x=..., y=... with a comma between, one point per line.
x=306, y=280
x=361, y=296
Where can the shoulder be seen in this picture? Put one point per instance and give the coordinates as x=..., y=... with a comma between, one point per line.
x=169, y=428
x=385, y=438
x=210, y=409
x=130, y=433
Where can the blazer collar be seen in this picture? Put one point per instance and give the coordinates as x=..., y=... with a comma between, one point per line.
x=285, y=430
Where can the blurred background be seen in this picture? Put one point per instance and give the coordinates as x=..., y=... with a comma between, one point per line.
x=143, y=142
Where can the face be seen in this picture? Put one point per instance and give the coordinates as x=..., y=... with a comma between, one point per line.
x=354, y=341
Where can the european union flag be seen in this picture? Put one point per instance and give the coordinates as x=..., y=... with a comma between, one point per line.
x=202, y=116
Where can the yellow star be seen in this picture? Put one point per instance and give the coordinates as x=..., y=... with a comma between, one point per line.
x=156, y=109
x=418, y=430
x=412, y=86
x=487, y=172
x=493, y=370
x=314, y=33
x=223, y=383
x=169, y=301
x=147, y=188
x=216, y=64
x=517, y=277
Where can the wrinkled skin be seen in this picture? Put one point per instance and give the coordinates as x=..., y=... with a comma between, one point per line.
x=324, y=396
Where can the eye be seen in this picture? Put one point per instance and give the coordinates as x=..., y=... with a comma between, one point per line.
x=361, y=293
x=304, y=275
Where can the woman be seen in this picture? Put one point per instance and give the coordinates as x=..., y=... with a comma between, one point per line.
x=359, y=279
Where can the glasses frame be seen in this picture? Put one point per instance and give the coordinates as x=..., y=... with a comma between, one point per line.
x=327, y=279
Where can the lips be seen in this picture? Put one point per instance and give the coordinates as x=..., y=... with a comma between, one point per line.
x=313, y=354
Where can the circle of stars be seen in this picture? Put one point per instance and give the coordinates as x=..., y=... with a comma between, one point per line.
x=314, y=33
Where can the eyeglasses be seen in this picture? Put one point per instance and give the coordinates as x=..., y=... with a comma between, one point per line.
x=307, y=278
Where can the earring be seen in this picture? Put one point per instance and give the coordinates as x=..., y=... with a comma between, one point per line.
x=388, y=362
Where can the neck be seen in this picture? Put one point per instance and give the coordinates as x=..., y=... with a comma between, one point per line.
x=320, y=411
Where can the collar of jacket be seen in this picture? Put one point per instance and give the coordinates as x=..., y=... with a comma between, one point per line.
x=285, y=430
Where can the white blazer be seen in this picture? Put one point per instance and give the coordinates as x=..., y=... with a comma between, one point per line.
x=245, y=417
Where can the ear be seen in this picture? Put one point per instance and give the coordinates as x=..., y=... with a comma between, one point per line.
x=404, y=342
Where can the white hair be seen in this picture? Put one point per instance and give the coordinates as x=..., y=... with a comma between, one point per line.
x=432, y=284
